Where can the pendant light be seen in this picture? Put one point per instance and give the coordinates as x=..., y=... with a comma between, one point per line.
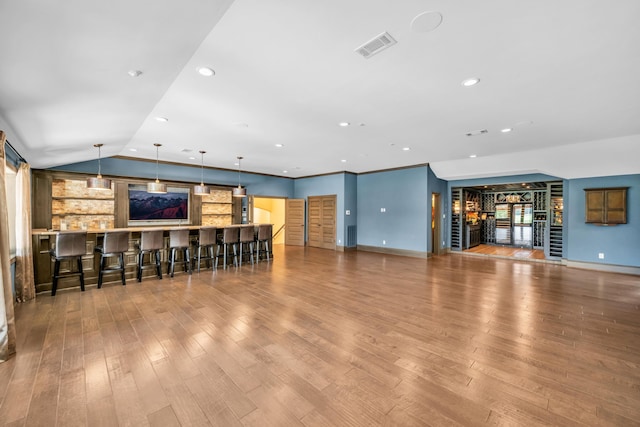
x=239, y=191
x=157, y=187
x=201, y=190
x=99, y=183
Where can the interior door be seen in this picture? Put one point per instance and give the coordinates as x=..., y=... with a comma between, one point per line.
x=294, y=222
x=522, y=233
x=322, y=221
x=503, y=224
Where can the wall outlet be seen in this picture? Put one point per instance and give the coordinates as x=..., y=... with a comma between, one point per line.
x=383, y=209
x=348, y=212
x=384, y=242
x=600, y=255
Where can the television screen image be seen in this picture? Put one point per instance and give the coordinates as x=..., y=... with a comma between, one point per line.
x=143, y=206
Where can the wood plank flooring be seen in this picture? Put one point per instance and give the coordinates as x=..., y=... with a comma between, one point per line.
x=323, y=338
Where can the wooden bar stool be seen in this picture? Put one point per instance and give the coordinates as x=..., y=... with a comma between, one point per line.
x=69, y=245
x=247, y=238
x=206, y=241
x=179, y=241
x=114, y=243
x=264, y=240
x=151, y=242
x=230, y=238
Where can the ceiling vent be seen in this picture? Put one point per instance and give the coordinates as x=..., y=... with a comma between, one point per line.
x=375, y=45
x=477, y=132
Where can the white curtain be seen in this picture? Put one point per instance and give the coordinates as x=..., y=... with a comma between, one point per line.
x=7, y=320
x=25, y=284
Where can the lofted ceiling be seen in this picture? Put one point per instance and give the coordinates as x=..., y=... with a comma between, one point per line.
x=563, y=75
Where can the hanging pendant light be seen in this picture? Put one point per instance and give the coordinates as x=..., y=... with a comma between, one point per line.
x=201, y=190
x=99, y=183
x=239, y=191
x=157, y=187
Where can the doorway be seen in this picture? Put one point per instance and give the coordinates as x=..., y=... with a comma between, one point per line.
x=436, y=247
x=269, y=210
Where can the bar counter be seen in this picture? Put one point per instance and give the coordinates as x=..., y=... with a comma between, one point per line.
x=43, y=240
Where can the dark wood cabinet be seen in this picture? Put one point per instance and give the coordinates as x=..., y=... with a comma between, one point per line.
x=606, y=206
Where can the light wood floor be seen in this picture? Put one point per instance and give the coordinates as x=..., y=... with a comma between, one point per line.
x=507, y=251
x=320, y=338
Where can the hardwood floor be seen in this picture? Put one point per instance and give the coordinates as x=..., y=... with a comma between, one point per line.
x=506, y=251
x=323, y=338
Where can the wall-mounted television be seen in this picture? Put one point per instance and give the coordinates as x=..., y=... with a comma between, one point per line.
x=171, y=208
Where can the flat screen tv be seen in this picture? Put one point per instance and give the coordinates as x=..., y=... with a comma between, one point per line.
x=158, y=209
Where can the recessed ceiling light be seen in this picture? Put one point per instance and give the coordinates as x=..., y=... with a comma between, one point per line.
x=344, y=160
x=133, y=149
x=426, y=21
x=471, y=82
x=285, y=171
x=344, y=124
x=162, y=119
x=473, y=156
x=506, y=130
x=192, y=158
x=279, y=145
x=206, y=71
x=406, y=148
x=134, y=73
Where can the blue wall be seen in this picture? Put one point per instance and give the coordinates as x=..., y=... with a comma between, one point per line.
x=621, y=243
x=259, y=185
x=325, y=185
x=350, y=203
x=405, y=195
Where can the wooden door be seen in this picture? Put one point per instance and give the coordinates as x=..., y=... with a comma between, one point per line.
x=294, y=220
x=322, y=222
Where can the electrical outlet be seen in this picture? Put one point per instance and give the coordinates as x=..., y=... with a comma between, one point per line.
x=600, y=255
x=383, y=210
x=384, y=242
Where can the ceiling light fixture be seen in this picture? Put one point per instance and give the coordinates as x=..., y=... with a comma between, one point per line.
x=473, y=156
x=201, y=190
x=206, y=71
x=99, y=183
x=279, y=145
x=134, y=73
x=506, y=130
x=470, y=82
x=406, y=148
x=239, y=191
x=157, y=187
x=344, y=124
x=162, y=119
x=133, y=149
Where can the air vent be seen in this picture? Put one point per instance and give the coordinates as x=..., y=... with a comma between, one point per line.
x=375, y=45
x=476, y=132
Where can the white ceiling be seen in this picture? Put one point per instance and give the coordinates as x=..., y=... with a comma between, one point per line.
x=563, y=74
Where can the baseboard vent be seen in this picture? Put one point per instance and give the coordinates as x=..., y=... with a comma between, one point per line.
x=376, y=45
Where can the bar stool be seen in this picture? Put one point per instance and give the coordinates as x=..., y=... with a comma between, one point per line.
x=115, y=243
x=69, y=245
x=247, y=237
x=206, y=240
x=151, y=242
x=179, y=241
x=230, y=237
x=264, y=237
